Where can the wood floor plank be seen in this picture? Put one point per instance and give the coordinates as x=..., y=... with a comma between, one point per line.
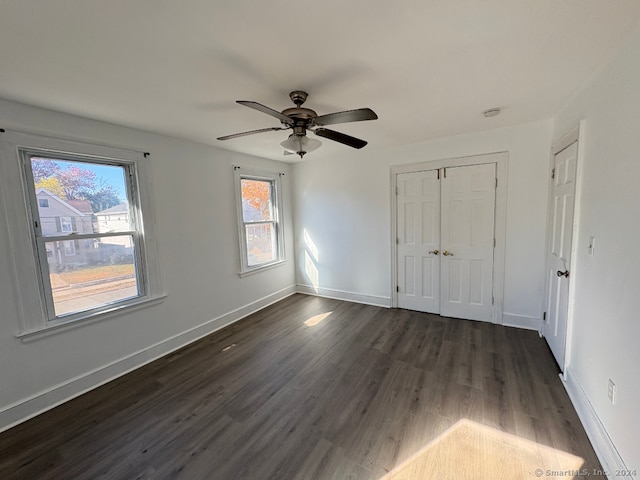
x=310, y=388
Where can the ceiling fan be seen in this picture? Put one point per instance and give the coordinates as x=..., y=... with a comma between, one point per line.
x=301, y=119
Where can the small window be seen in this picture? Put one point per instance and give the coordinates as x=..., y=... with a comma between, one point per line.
x=69, y=248
x=66, y=225
x=259, y=219
x=43, y=202
x=84, y=268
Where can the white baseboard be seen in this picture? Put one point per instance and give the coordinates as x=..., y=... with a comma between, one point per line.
x=602, y=444
x=34, y=405
x=520, y=321
x=344, y=295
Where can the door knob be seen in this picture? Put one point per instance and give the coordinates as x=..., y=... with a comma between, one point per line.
x=435, y=252
x=447, y=253
x=563, y=274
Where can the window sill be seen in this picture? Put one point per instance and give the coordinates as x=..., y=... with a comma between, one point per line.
x=262, y=268
x=53, y=328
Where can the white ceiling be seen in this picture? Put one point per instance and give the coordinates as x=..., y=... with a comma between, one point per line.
x=427, y=67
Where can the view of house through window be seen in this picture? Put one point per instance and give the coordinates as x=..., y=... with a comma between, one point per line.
x=259, y=221
x=85, y=233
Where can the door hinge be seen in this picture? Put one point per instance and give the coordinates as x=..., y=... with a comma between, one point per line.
x=397, y=240
x=35, y=223
x=494, y=243
x=544, y=316
x=492, y=300
x=444, y=172
x=496, y=183
x=396, y=190
x=553, y=173
x=397, y=288
x=438, y=176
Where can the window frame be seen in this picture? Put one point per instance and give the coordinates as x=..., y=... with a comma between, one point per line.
x=28, y=255
x=65, y=222
x=67, y=235
x=275, y=179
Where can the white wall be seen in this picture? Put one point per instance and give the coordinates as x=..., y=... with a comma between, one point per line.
x=194, y=204
x=343, y=204
x=605, y=341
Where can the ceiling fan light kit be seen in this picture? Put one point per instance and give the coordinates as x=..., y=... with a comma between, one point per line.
x=300, y=144
x=301, y=119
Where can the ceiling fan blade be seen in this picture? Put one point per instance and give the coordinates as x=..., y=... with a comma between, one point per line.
x=357, y=115
x=250, y=132
x=340, y=137
x=267, y=110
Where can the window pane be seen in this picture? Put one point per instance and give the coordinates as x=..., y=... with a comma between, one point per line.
x=100, y=271
x=256, y=200
x=80, y=197
x=261, y=247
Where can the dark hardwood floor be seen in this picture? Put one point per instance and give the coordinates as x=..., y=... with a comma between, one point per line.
x=350, y=395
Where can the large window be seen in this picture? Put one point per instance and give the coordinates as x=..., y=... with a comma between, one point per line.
x=259, y=219
x=69, y=266
x=84, y=265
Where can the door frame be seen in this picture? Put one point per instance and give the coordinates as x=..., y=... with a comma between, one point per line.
x=501, y=160
x=575, y=135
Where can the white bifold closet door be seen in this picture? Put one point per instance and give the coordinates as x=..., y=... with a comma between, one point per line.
x=418, y=241
x=445, y=248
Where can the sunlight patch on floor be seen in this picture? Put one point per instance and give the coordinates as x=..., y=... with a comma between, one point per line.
x=316, y=319
x=469, y=450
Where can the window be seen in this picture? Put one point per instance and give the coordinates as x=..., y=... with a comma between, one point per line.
x=67, y=267
x=66, y=224
x=69, y=248
x=95, y=269
x=259, y=219
x=43, y=202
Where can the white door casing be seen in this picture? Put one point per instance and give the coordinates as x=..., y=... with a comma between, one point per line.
x=467, y=241
x=418, y=238
x=560, y=235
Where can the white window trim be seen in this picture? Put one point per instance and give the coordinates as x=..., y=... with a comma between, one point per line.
x=15, y=194
x=275, y=177
x=66, y=222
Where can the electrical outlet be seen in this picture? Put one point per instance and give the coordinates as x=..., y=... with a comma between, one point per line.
x=611, y=392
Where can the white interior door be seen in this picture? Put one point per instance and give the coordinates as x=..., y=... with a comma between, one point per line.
x=559, y=251
x=467, y=241
x=418, y=229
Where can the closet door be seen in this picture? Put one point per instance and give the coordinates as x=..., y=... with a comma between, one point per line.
x=467, y=241
x=418, y=227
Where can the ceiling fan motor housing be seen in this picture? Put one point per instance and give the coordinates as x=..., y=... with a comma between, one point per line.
x=302, y=117
x=300, y=114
